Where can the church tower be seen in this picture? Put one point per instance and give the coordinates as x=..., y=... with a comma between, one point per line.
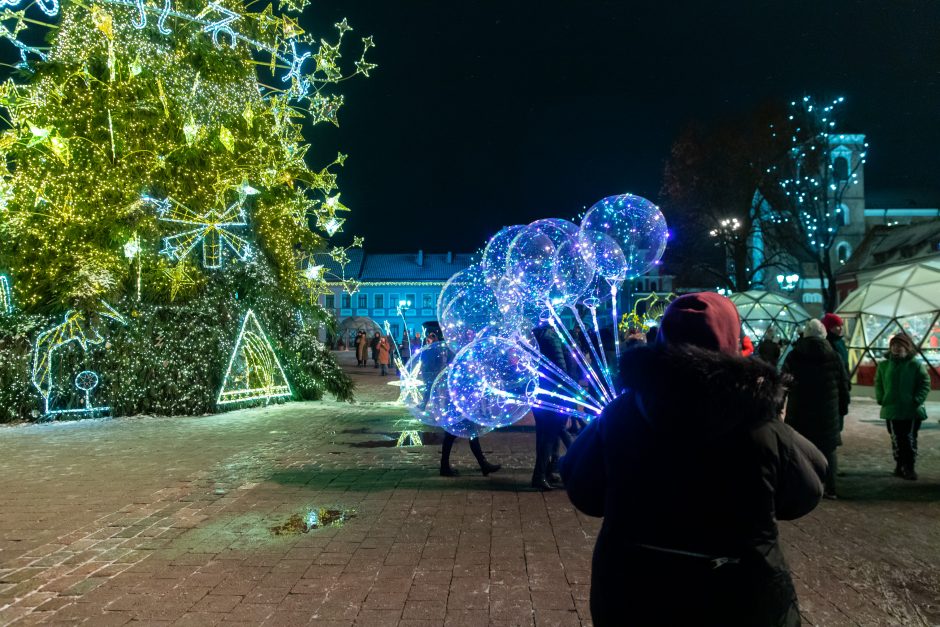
x=847, y=154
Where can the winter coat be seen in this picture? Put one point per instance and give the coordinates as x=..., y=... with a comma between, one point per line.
x=837, y=342
x=769, y=351
x=901, y=388
x=362, y=348
x=819, y=392
x=383, y=350
x=374, y=345
x=551, y=347
x=690, y=467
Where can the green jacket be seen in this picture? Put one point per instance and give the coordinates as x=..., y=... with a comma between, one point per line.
x=901, y=388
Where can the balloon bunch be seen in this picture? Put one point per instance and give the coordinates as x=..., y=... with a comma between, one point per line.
x=489, y=372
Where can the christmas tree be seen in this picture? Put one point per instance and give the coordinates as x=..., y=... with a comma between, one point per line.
x=156, y=184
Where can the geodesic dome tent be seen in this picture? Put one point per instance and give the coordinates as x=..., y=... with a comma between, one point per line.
x=898, y=299
x=759, y=310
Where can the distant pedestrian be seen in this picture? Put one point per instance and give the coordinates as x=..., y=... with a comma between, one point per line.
x=691, y=468
x=768, y=348
x=383, y=354
x=362, y=348
x=819, y=395
x=901, y=388
x=374, y=345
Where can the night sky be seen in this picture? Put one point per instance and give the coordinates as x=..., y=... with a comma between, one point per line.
x=486, y=113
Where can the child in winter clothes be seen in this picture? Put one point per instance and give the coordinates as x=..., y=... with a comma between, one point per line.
x=901, y=388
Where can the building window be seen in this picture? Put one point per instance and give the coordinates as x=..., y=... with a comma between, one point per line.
x=411, y=298
x=379, y=300
x=840, y=169
x=346, y=301
x=393, y=300
x=653, y=286
x=363, y=301
x=842, y=215
x=395, y=333
x=329, y=301
x=427, y=301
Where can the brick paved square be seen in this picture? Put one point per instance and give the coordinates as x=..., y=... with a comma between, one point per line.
x=186, y=537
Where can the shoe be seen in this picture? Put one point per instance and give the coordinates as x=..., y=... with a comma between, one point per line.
x=909, y=474
x=486, y=468
x=831, y=496
x=449, y=471
x=541, y=485
x=555, y=479
x=898, y=471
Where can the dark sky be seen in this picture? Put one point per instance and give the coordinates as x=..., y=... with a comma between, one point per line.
x=485, y=113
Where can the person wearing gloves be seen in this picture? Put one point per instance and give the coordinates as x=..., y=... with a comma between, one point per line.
x=901, y=388
x=691, y=468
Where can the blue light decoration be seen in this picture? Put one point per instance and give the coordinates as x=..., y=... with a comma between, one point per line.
x=6, y=296
x=254, y=372
x=490, y=371
x=221, y=26
x=212, y=231
x=75, y=327
x=299, y=84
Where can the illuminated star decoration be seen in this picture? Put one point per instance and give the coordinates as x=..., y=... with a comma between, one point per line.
x=179, y=278
x=212, y=231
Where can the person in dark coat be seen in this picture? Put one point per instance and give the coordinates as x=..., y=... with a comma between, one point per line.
x=834, y=330
x=768, y=348
x=819, y=395
x=549, y=424
x=691, y=468
x=901, y=388
x=374, y=345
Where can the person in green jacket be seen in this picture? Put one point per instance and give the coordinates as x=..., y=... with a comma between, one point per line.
x=901, y=388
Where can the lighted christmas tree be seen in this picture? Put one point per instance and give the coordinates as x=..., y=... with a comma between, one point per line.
x=155, y=163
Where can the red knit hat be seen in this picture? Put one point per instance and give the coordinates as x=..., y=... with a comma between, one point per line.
x=830, y=321
x=705, y=319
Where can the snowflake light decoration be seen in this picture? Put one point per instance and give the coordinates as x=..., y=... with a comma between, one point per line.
x=212, y=230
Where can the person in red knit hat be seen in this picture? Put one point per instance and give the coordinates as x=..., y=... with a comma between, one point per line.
x=834, y=330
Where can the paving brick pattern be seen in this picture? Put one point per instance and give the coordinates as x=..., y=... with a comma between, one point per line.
x=169, y=521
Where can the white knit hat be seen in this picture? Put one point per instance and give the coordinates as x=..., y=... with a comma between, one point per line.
x=814, y=328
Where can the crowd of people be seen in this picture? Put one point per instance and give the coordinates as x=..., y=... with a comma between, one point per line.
x=710, y=443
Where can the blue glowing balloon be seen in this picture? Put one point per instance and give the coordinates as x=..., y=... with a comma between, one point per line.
x=494, y=255
x=472, y=313
x=530, y=262
x=447, y=416
x=491, y=380
x=575, y=266
x=609, y=260
x=418, y=378
x=635, y=224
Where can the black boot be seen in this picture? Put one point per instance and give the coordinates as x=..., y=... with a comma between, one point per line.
x=540, y=484
x=486, y=468
x=898, y=471
x=449, y=471
x=909, y=473
x=552, y=475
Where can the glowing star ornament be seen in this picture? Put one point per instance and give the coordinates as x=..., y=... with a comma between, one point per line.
x=179, y=279
x=254, y=372
x=212, y=230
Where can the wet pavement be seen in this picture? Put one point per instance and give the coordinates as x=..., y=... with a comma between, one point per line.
x=308, y=514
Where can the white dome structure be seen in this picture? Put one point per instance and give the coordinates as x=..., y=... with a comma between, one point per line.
x=900, y=299
x=760, y=310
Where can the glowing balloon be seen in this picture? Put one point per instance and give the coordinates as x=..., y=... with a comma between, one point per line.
x=530, y=262
x=635, y=224
x=609, y=260
x=446, y=414
x=471, y=313
x=491, y=380
x=494, y=255
x=418, y=377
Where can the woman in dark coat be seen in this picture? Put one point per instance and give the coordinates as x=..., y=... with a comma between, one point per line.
x=819, y=395
x=691, y=468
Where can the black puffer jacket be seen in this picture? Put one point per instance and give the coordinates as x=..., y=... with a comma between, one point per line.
x=689, y=468
x=819, y=392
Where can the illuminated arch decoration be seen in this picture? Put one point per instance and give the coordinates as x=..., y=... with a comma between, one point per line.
x=6, y=296
x=649, y=315
x=75, y=327
x=212, y=230
x=254, y=372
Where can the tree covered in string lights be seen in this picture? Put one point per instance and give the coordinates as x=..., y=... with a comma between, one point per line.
x=155, y=162
x=805, y=189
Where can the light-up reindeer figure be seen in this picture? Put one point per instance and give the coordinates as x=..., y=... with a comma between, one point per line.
x=77, y=326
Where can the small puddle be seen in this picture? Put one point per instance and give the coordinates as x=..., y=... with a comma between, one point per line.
x=314, y=519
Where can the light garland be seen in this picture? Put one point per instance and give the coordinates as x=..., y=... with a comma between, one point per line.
x=6, y=296
x=254, y=372
x=212, y=231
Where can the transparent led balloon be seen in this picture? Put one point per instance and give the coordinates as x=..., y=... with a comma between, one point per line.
x=491, y=380
x=472, y=313
x=418, y=377
x=453, y=287
x=446, y=415
x=609, y=260
x=635, y=224
x=530, y=262
x=494, y=255
x=573, y=272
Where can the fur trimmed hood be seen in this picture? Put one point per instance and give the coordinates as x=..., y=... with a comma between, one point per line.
x=701, y=393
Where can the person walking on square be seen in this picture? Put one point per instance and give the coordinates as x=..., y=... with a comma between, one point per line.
x=819, y=395
x=691, y=467
x=549, y=424
x=383, y=353
x=901, y=388
x=768, y=348
x=362, y=348
x=374, y=345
